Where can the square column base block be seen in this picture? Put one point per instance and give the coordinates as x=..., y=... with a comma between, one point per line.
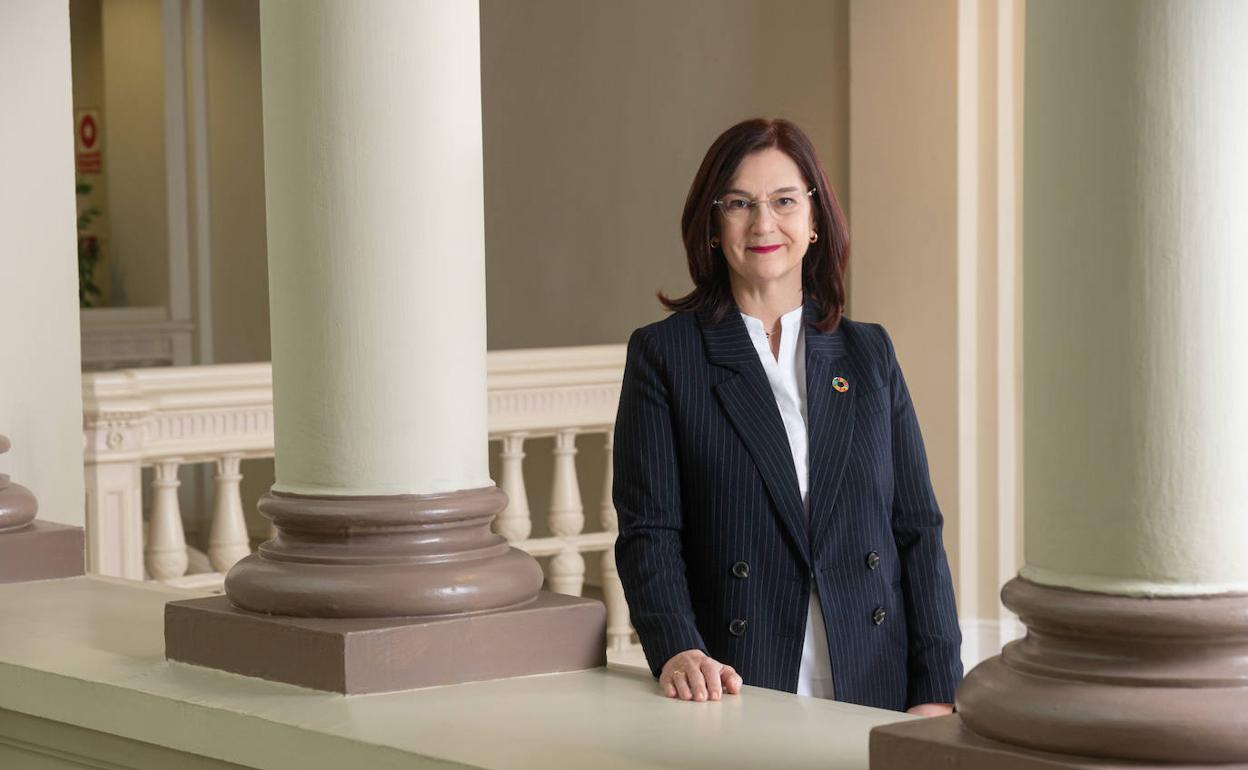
x=41, y=551
x=554, y=633
x=945, y=743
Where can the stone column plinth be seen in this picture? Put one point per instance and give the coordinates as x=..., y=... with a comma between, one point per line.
x=383, y=501
x=1135, y=588
x=32, y=549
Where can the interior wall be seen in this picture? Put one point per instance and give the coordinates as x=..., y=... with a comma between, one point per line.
x=134, y=152
x=87, y=61
x=41, y=396
x=596, y=118
x=240, y=278
x=239, y=274
x=903, y=172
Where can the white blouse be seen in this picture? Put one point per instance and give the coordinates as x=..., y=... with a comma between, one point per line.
x=787, y=375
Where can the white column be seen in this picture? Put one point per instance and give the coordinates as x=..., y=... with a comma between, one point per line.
x=376, y=239
x=373, y=187
x=40, y=398
x=1137, y=293
x=1135, y=586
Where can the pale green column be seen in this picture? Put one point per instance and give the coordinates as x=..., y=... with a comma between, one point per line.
x=1136, y=297
x=373, y=174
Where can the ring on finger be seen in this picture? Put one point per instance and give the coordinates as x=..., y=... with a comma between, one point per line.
x=678, y=672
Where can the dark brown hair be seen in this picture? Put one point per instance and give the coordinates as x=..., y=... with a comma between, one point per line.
x=823, y=267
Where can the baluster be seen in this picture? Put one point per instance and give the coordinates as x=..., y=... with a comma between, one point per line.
x=166, y=544
x=566, y=574
x=610, y=522
x=619, y=630
x=227, y=540
x=514, y=522
x=567, y=517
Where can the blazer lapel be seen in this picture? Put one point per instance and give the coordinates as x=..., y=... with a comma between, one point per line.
x=829, y=417
x=751, y=407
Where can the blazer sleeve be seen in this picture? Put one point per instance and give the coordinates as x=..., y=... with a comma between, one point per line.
x=647, y=500
x=935, y=641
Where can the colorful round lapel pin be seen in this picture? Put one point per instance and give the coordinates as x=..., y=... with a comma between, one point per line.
x=840, y=384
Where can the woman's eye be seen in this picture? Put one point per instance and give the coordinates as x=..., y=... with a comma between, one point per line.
x=737, y=204
x=784, y=203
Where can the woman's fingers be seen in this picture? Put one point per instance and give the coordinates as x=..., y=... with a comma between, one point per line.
x=694, y=675
x=710, y=674
x=697, y=683
x=665, y=683
x=681, y=678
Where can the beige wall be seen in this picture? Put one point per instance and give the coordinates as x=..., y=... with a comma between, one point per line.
x=903, y=172
x=935, y=108
x=240, y=279
x=596, y=118
x=134, y=151
x=41, y=394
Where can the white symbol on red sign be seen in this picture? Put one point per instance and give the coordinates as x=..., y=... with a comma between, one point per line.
x=87, y=139
x=87, y=132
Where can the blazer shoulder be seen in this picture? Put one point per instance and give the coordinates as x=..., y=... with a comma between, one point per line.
x=674, y=329
x=872, y=344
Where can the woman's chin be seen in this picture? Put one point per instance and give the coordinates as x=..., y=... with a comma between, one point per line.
x=769, y=275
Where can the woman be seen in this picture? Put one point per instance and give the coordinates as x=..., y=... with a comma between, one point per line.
x=777, y=523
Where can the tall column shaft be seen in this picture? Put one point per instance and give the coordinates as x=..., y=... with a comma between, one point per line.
x=1135, y=588
x=375, y=208
x=1135, y=279
x=373, y=184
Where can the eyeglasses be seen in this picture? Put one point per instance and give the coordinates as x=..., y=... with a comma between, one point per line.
x=739, y=208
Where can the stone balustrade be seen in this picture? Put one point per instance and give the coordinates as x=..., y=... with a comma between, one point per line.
x=170, y=417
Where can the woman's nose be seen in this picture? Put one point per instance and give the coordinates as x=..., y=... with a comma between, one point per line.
x=761, y=218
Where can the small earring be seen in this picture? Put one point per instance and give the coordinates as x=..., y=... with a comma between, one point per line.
x=814, y=236
x=714, y=243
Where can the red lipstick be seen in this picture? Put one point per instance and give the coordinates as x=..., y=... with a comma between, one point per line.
x=763, y=249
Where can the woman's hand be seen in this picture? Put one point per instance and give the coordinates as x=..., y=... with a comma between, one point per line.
x=931, y=709
x=694, y=675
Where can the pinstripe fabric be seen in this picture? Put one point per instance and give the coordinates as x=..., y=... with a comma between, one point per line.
x=704, y=479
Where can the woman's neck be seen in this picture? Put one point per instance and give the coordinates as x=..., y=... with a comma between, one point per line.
x=766, y=302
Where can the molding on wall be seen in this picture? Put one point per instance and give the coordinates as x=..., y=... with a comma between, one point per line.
x=198, y=111
x=982, y=639
x=124, y=337
x=176, y=190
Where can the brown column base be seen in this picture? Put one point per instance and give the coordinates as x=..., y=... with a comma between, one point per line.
x=41, y=551
x=553, y=633
x=945, y=743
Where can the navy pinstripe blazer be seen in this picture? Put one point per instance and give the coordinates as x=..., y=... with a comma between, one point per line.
x=714, y=549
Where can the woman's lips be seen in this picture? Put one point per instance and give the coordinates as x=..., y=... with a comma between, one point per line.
x=763, y=249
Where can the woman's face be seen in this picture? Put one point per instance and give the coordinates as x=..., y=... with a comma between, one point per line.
x=764, y=243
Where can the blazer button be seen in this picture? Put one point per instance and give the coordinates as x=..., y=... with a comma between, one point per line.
x=737, y=627
x=873, y=560
x=877, y=617
x=741, y=570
